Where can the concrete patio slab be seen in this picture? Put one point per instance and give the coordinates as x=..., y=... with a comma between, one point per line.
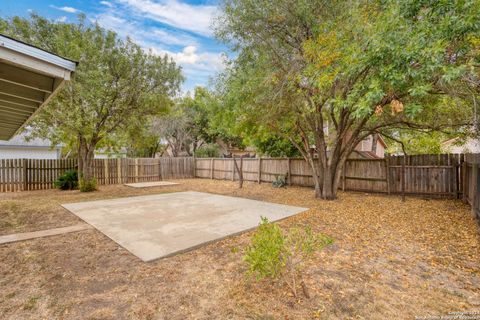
x=151, y=184
x=157, y=226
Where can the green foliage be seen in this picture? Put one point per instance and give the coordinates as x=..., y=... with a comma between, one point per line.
x=274, y=146
x=141, y=140
x=275, y=254
x=190, y=123
x=358, y=67
x=417, y=143
x=116, y=83
x=88, y=185
x=266, y=254
x=280, y=181
x=67, y=181
x=208, y=151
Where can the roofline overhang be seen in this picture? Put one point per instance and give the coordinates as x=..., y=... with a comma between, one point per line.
x=40, y=54
x=29, y=79
x=13, y=146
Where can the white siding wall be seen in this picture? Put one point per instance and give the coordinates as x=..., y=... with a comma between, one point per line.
x=28, y=153
x=470, y=146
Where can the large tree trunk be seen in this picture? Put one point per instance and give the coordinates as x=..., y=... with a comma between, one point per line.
x=85, y=161
x=326, y=179
x=328, y=191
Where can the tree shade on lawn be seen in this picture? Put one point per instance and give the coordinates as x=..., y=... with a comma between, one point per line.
x=358, y=67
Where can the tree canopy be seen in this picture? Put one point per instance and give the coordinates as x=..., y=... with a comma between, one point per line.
x=358, y=67
x=115, y=85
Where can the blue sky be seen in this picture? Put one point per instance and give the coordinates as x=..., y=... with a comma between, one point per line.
x=179, y=28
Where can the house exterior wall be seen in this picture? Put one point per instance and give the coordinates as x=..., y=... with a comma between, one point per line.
x=102, y=155
x=380, y=150
x=366, y=146
x=29, y=153
x=470, y=146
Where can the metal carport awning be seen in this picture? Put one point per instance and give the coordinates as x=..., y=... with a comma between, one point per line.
x=29, y=78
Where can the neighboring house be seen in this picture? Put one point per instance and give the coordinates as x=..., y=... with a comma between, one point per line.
x=110, y=154
x=471, y=145
x=371, y=147
x=19, y=148
x=248, y=152
x=227, y=150
x=168, y=152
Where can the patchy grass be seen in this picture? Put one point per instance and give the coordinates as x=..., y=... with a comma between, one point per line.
x=31, y=303
x=390, y=260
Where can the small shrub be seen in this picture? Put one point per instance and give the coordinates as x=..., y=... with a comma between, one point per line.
x=88, y=185
x=208, y=151
x=67, y=181
x=275, y=254
x=280, y=181
x=265, y=255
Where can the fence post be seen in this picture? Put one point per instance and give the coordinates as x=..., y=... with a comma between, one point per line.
x=289, y=172
x=194, y=166
x=160, y=169
x=233, y=170
x=403, y=177
x=106, y=175
x=211, y=168
x=387, y=170
x=474, y=177
x=25, y=175
x=136, y=169
x=241, y=167
x=119, y=170
x=259, y=170
x=126, y=169
x=464, y=181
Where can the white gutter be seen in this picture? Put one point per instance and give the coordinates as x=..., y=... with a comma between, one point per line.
x=34, y=52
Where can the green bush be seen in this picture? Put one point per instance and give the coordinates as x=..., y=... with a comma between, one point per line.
x=276, y=254
x=67, y=181
x=265, y=255
x=88, y=185
x=208, y=151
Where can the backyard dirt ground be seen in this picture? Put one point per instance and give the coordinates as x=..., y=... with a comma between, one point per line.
x=390, y=260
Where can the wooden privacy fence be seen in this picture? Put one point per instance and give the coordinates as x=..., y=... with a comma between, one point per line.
x=32, y=174
x=447, y=175
x=428, y=175
x=471, y=182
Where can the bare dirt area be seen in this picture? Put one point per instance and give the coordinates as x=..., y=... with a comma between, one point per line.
x=390, y=260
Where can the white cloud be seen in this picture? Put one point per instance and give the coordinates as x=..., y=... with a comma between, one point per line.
x=188, y=55
x=66, y=9
x=106, y=3
x=194, y=18
x=174, y=38
x=61, y=19
x=143, y=35
x=197, y=64
x=201, y=61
